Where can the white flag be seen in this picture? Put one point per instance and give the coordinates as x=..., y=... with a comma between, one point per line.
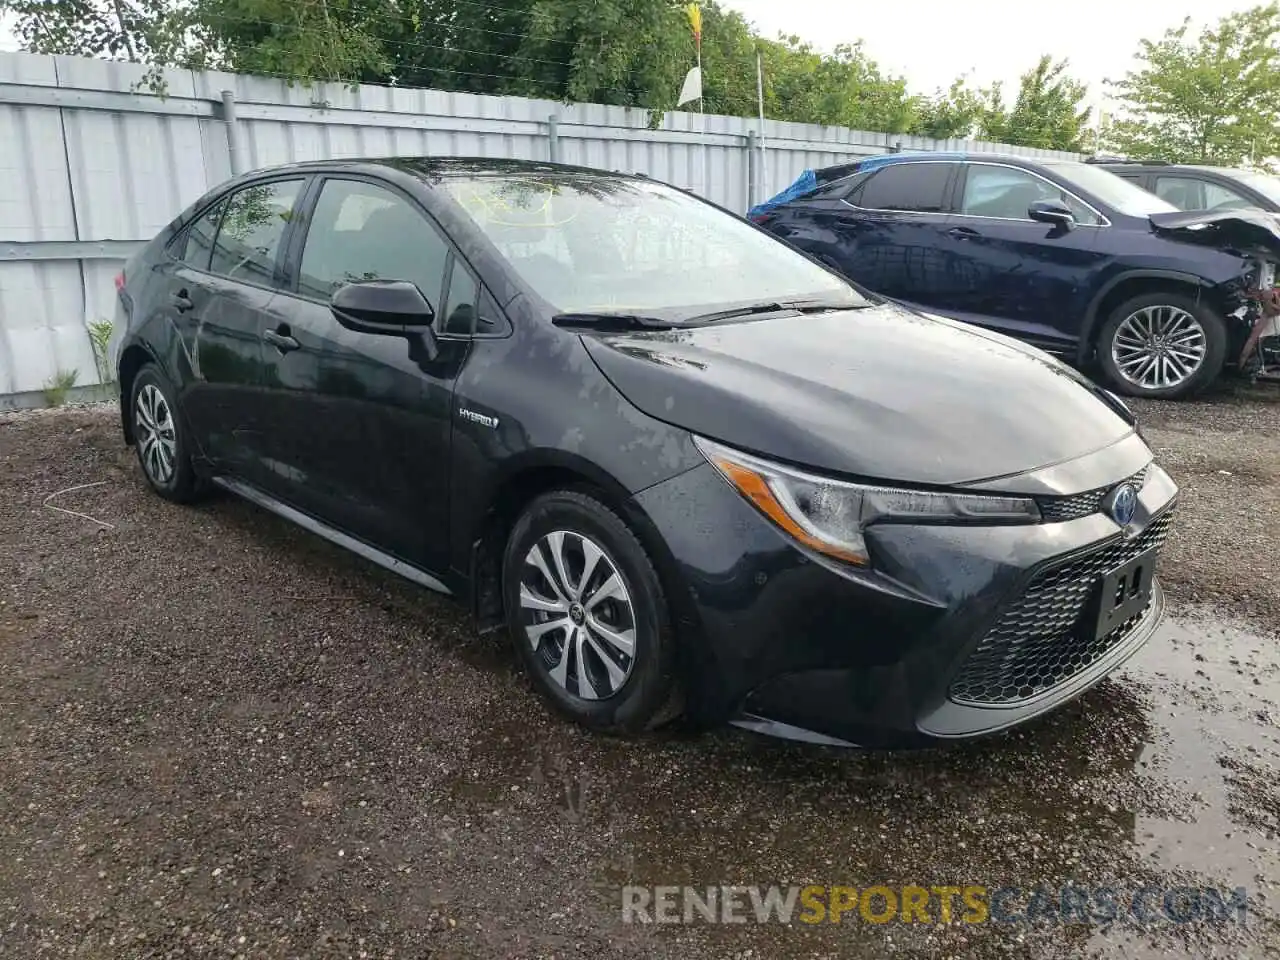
x=692, y=89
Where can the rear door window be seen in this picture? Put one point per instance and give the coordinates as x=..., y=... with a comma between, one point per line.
x=911, y=187
x=252, y=230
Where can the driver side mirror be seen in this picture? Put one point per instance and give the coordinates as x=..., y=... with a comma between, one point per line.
x=1052, y=211
x=394, y=307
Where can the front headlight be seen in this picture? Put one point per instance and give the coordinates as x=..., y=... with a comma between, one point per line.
x=830, y=516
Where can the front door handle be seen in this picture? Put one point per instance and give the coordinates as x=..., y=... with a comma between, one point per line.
x=182, y=302
x=963, y=233
x=281, y=339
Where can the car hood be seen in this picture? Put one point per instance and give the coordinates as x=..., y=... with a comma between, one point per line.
x=879, y=393
x=1250, y=233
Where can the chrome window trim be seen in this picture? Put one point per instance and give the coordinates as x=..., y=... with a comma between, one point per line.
x=1009, y=166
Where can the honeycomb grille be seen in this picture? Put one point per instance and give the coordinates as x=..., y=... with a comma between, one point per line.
x=1062, y=509
x=1044, y=637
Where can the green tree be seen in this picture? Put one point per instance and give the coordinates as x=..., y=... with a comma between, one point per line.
x=142, y=31
x=846, y=88
x=959, y=112
x=1214, y=98
x=1048, y=111
x=625, y=52
x=331, y=40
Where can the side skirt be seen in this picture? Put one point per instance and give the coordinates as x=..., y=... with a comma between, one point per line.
x=320, y=529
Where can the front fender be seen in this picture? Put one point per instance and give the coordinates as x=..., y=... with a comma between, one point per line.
x=1093, y=315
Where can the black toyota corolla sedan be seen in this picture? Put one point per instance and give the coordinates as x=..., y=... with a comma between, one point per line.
x=691, y=471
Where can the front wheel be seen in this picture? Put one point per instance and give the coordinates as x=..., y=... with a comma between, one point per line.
x=1163, y=346
x=587, y=614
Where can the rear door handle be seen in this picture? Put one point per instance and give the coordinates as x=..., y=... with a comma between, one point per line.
x=280, y=338
x=963, y=233
x=181, y=302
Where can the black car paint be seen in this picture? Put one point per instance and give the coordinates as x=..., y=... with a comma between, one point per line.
x=831, y=396
x=1045, y=284
x=418, y=458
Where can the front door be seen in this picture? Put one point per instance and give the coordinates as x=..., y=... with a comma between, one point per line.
x=1012, y=273
x=216, y=296
x=360, y=423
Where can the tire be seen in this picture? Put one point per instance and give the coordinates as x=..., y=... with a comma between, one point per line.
x=640, y=692
x=165, y=461
x=1201, y=327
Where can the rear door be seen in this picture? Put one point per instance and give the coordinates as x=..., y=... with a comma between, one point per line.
x=359, y=424
x=888, y=231
x=1015, y=274
x=217, y=295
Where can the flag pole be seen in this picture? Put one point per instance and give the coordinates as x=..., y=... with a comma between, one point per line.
x=698, y=40
x=764, y=169
x=695, y=20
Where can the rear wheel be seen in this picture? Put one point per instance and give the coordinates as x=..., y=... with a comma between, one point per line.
x=160, y=437
x=1162, y=345
x=588, y=616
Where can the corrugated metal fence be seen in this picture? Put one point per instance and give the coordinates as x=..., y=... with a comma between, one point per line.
x=89, y=168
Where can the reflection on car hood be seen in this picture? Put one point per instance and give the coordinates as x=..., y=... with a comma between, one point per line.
x=1247, y=232
x=879, y=393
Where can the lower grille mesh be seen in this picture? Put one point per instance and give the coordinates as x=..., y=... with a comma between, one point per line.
x=1043, y=637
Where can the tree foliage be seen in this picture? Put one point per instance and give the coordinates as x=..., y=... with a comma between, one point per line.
x=625, y=52
x=1213, y=98
x=1048, y=112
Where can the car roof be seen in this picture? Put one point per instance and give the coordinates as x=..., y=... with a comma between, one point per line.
x=884, y=159
x=1163, y=166
x=433, y=169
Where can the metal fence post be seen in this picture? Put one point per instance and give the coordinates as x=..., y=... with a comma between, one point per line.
x=233, y=132
x=753, y=168
x=553, y=138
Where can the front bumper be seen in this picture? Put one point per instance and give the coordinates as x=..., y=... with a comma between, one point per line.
x=960, y=631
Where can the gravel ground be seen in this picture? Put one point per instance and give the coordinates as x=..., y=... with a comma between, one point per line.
x=221, y=737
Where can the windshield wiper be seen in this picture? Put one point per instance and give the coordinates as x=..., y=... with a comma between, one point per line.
x=778, y=306
x=613, y=321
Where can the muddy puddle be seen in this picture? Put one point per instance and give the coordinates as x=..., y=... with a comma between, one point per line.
x=1164, y=778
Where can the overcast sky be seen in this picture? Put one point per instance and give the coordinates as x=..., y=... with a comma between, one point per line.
x=930, y=42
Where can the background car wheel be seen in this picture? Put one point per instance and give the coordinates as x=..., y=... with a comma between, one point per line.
x=1162, y=345
x=160, y=437
x=588, y=617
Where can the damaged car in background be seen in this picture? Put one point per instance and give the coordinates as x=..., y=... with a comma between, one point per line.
x=1061, y=254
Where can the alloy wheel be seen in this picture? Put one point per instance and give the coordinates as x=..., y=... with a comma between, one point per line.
x=156, y=434
x=578, y=615
x=1159, y=347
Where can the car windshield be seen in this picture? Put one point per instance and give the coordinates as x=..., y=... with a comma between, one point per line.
x=1116, y=192
x=1264, y=183
x=587, y=243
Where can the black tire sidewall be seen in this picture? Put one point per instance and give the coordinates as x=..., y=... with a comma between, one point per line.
x=182, y=486
x=651, y=685
x=1215, y=331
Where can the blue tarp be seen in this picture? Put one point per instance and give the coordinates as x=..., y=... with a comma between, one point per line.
x=808, y=181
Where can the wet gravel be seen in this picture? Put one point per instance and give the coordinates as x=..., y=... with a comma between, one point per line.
x=221, y=737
